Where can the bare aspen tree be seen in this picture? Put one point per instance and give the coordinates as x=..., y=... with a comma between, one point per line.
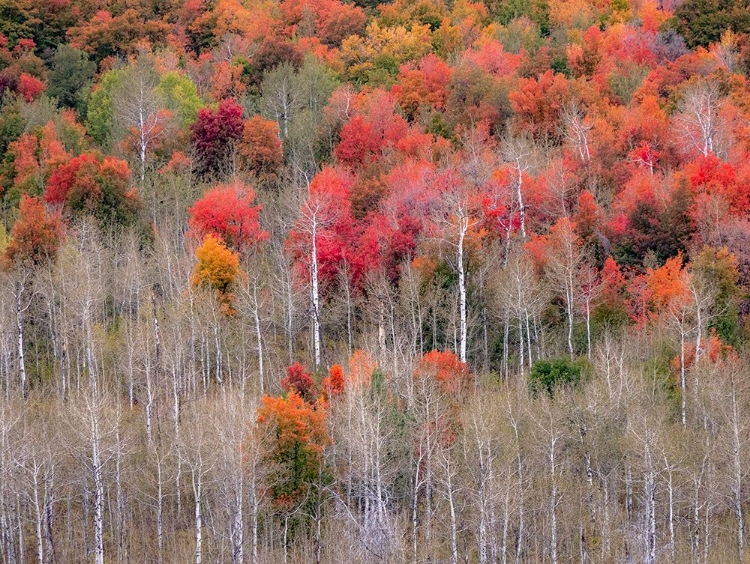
x=195, y=445
x=95, y=421
x=698, y=117
x=550, y=435
x=317, y=212
x=20, y=284
x=730, y=396
x=281, y=96
x=458, y=217
x=140, y=111
x=482, y=449
x=577, y=130
x=252, y=305
x=519, y=152
x=520, y=296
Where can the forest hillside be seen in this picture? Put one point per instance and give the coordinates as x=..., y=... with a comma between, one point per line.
x=331, y=281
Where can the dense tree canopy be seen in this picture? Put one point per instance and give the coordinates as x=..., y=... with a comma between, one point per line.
x=358, y=281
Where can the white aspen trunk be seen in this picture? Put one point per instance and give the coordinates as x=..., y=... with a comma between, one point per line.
x=588, y=326
x=553, y=501
x=506, y=526
x=506, y=333
x=569, y=306
x=519, y=464
x=19, y=327
x=38, y=518
x=238, y=556
x=98, y=491
x=121, y=508
x=149, y=402
x=699, y=331
x=454, y=528
x=159, y=514
x=258, y=338
x=737, y=477
x=49, y=514
x=649, y=487
x=522, y=346
x=142, y=145
x=683, y=379
x=530, y=356
x=197, y=485
x=462, y=228
x=519, y=195
x=315, y=295
x=255, y=504
x=415, y=498
x=670, y=496
x=289, y=319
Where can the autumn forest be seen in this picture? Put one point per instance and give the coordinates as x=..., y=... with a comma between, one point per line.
x=331, y=281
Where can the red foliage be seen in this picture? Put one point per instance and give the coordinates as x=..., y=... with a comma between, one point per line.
x=227, y=211
x=299, y=380
x=359, y=143
x=711, y=176
x=376, y=127
x=214, y=135
x=333, y=384
x=35, y=155
x=94, y=184
x=30, y=87
x=179, y=163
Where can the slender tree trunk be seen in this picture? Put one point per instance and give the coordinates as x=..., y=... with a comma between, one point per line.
x=737, y=474
x=19, y=327
x=98, y=491
x=315, y=296
x=683, y=380
x=258, y=338
x=463, y=227
x=197, y=492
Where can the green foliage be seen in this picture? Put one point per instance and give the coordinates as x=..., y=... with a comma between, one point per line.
x=626, y=80
x=17, y=21
x=662, y=233
x=535, y=10
x=12, y=123
x=703, y=21
x=180, y=95
x=547, y=375
x=718, y=269
x=100, y=116
x=71, y=78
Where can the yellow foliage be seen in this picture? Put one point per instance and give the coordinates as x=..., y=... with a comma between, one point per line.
x=217, y=267
x=383, y=47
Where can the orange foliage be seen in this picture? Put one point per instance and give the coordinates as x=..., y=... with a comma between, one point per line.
x=299, y=438
x=260, y=148
x=666, y=287
x=36, y=235
x=424, y=85
x=35, y=155
x=446, y=368
x=361, y=367
x=537, y=103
